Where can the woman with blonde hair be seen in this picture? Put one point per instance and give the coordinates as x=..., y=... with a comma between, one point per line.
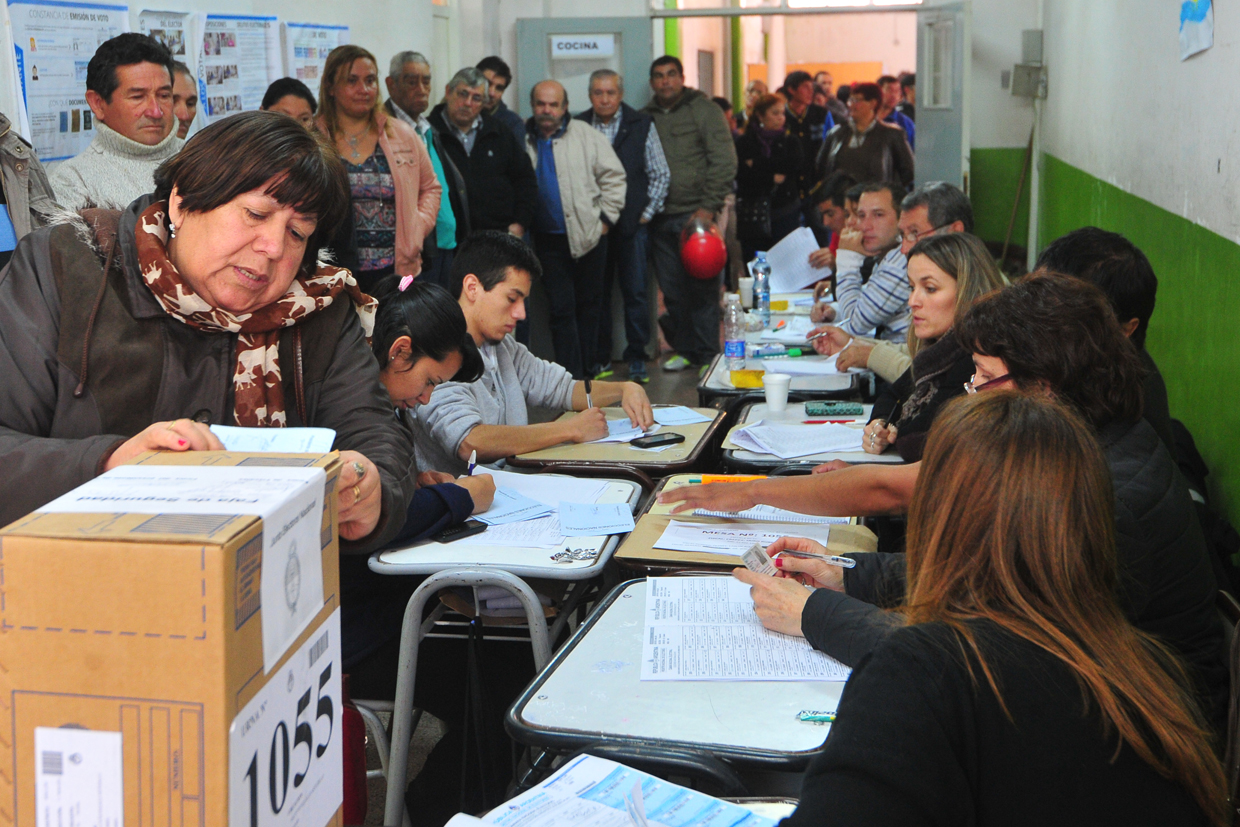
x=395, y=193
x=1015, y=691
x=948, y=273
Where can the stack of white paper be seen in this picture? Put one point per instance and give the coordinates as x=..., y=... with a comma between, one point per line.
x=735, y=538
x=549, y=489
x=789, y=441
x=595, y=519
x=705, y=629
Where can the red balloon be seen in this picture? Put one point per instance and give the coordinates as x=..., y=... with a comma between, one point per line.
x=702, y=250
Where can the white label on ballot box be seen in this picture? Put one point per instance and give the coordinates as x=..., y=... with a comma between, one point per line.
x=285, y=759
x=289, y=500
x=78, y=777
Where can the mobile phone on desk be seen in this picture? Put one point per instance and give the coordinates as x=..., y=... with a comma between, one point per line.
x=656, y=440
x=459, y=532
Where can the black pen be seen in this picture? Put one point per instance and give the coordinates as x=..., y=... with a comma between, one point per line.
x=589, y=404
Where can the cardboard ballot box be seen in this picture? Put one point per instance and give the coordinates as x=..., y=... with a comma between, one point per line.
x=170, y=647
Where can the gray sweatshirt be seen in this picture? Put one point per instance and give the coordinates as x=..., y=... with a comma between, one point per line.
x=514, y=378
x=112, y=171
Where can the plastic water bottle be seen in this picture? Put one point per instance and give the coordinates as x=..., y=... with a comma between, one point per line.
x=734, y=332
x=762, y=288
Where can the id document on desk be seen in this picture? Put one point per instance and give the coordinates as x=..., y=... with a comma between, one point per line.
x=705, y=629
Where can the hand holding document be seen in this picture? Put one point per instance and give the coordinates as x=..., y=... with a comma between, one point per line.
x=706, y=629
x=789, y=260
x=790, y=441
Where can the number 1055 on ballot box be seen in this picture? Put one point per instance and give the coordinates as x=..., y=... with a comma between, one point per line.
x=170, y=647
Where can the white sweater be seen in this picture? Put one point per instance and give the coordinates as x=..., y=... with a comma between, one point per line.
x=112, y=172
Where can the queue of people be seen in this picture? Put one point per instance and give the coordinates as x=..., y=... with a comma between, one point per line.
x=1047, y=617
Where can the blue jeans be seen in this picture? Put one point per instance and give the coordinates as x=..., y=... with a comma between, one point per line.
x=626, y=260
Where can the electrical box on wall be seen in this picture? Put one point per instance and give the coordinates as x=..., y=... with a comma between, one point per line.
x=1028, y=81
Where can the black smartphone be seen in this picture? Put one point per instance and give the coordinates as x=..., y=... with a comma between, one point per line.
x=656, y=440
x=459, y=532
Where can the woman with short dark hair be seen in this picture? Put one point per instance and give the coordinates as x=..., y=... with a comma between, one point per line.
x=289, y=96
x=203, y=303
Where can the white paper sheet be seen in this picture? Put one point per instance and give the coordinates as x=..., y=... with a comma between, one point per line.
x=621, y=430
x=549, y=489
x=705, y=629
x=77, y=777
x=735, y=538
x=289, y=501
x=275, y=440
x=595, y=519
x=790, y=441
x=789, y=260
x=769, y=513
x=805, y=365
x=511, y=506
x=792, y=333
x=543, y=532
x=595, y=792
x=678, y=415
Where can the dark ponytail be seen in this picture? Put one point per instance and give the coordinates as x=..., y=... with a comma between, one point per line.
x=431, y=319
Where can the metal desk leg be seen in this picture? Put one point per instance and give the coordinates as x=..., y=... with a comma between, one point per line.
x=411, y=635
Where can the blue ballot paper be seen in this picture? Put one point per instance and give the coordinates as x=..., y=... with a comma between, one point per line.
x=595, y=519
x=511, y=506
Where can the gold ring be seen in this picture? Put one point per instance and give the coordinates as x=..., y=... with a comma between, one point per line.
x=357, y=493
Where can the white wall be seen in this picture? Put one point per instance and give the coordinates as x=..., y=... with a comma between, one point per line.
x=1124, y=108
x=890, y=37
x=999, y=120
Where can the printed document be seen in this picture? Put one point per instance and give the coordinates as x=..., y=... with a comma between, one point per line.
x=275, y=440
x=549, y=489
x=678, y=415
x=805, y=365
x=769, y=513
x=705, y=629
x=510, y=506
x=792, y=333
x=595, y=519
x=789, y=260
x=734, y=538
x=622, y=430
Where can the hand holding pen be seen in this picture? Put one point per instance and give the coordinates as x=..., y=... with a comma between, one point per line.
x=808, y=562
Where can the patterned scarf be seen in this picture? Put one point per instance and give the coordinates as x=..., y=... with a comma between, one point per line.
x=258, y=393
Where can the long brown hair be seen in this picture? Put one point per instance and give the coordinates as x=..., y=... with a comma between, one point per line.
x=1018, y=529
x=336, y=69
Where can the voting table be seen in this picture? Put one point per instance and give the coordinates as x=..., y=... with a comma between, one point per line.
x=716, y=388
x=590, y=694
x=742, y=461
x=637, y=554
x=699, y=446
x=474, y=562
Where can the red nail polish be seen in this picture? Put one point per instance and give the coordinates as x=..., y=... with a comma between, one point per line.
x=181, y=442
x=779, y=562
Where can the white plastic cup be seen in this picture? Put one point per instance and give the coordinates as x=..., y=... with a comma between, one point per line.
x=776, y=387
x=746, y=286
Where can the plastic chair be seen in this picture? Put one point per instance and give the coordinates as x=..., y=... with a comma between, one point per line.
x=412, y=631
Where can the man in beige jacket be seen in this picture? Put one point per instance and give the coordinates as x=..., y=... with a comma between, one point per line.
x=581, y=186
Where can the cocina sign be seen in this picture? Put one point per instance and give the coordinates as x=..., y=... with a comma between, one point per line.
x=582, y=45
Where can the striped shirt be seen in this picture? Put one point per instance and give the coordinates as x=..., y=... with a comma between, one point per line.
x=881, y=302
x=657, y=171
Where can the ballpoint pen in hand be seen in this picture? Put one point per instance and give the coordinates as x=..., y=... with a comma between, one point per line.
x=589, y=404
x=835, y=560
x=473, y=463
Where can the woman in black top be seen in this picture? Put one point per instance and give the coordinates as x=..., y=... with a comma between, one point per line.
x=1016, y=692
x=769, y=162
x=947, y=273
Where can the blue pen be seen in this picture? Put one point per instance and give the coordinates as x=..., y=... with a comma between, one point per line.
x=473, y=463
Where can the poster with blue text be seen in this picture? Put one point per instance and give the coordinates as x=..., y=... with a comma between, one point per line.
x=54, y=41
x=306, y=46
x=1196, y=27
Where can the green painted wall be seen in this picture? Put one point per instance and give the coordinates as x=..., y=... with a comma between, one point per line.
x=1192, y=333
x=993, y=178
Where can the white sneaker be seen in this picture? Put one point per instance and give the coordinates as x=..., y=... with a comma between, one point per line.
x=676, y=363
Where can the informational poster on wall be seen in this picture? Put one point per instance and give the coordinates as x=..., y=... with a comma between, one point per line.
x=306, y=46
x=172, y=29
x=54, y=41
x=239, y=57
